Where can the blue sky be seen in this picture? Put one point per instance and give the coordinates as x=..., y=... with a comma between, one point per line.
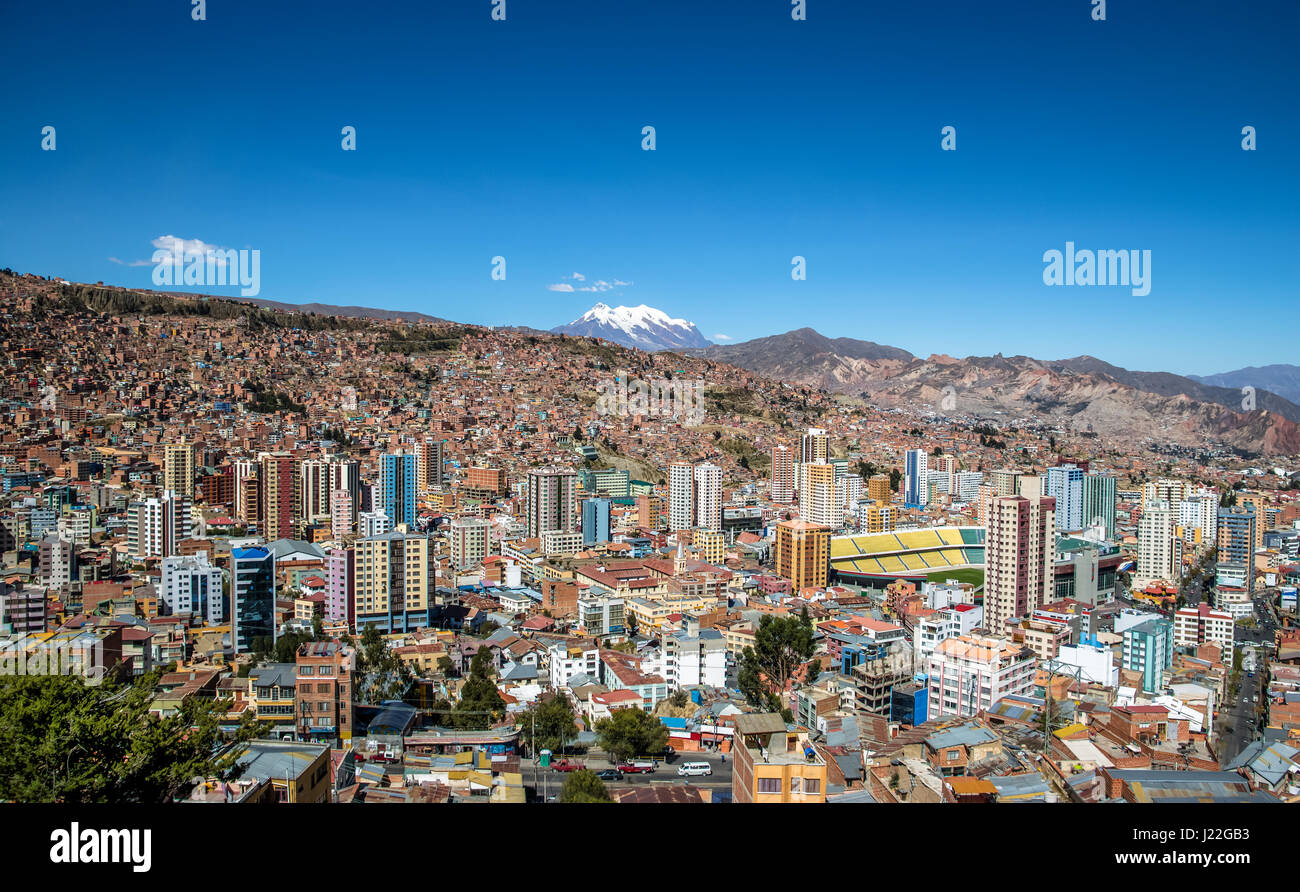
x=775, y=138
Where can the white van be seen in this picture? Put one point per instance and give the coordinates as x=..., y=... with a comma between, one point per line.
x=694, y=769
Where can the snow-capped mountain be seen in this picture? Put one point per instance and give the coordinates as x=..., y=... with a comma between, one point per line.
x=642, y=327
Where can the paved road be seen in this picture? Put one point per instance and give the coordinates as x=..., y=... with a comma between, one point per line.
x=549, y=781
x=1243, y=711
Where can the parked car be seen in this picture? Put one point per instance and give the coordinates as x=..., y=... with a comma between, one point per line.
x=610, y=774
x=567, y=765
x=695, y=769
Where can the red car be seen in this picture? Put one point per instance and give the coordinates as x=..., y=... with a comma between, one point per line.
x=567, y=765
x=637, y=767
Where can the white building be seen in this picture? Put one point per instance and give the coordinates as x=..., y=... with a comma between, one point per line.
x=969, y=674
x=1202, y=625
x=374, y=523
x=1093, y=660
x=681, y=496
x=469, y=541
x=190, y=585
x=708, y=496
x=689, y=659
x=569, y=658
x=951, y=622
x=1156, y=549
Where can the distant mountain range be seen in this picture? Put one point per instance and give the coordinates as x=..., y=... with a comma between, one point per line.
x=1284, y=380
x=643, y=327
x=1083, y=393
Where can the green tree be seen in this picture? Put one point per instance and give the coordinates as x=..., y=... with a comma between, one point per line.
x=583, y=786
x=64, y=741
x=895, y=476
x=548, y=724
x=781, y=646
x=631, y=732
x=381, y=674
x=480, y=703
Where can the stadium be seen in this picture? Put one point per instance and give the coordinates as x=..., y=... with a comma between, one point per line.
x=937, y=554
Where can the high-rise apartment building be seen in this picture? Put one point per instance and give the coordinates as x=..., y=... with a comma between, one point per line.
x=469, y=541
x=681, y=496
x=340, y=585
x=154, y=527
x=879, y=489
x=1065, y=484
x=252, y=597
x=395, y=581
x=915, y=479
x=398, y=487
x=814, y=447
x=314, y=488
x=190, y=586
x=708, y=496
x=1159, y=554
x=595, y=521
x=179, y=468
x=1020, y=552
x=552, y=500
x=819, y=501
x=803, y=553
x=782, y=474
x=648, y=513
x=341, y=514
x=280, y=494
x=245, y=471
x=1099, y=501
x=428, y=465
x=710, y=546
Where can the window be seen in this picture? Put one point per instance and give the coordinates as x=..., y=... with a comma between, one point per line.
x=769, y=785
x=812, y=785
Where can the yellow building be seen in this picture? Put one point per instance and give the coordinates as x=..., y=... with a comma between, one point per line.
x=879, y=490
x=878, y=519
x=395, y=574
x=773, y=764
x=711, y=545
x=178, y=468
x=803, y=553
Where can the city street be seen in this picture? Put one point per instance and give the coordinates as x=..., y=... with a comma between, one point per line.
x=1243, y=709
x=549, y=782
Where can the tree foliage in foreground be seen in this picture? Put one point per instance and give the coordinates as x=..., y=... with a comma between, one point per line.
x=583, y=786
x=64, y=741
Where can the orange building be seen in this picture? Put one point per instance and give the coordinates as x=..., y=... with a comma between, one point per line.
x=803, y=553
x=773, y=764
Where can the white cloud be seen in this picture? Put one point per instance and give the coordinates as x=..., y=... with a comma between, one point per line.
x=170, y=244
x=598, y=286
x=185, y=248
x=602, y=285
x=722, y=337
